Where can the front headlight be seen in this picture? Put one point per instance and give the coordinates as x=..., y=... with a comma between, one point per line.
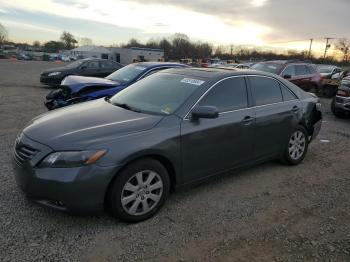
x=54, y=74
x=68, y=159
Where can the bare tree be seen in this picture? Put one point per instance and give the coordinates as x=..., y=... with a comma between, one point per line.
x=343, y=45
x=68, y=40
x=85, y=41
x=36, y=44
x=3, y=34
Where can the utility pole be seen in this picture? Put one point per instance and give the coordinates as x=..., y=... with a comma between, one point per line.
x=311, y=40
x=327, y=47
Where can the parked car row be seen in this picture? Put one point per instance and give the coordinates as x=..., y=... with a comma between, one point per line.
x=84, y=67
x=77, y=89
x=168, y=129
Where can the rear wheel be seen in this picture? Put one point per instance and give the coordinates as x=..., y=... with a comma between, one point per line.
x=139, y=191
x=297, y=146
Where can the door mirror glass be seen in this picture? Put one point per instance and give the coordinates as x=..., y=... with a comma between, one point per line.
x=209, y=112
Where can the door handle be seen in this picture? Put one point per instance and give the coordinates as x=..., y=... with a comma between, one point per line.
x=248, y=120
x=295, y=109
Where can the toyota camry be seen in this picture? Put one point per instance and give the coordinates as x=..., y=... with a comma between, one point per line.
x=174, y=128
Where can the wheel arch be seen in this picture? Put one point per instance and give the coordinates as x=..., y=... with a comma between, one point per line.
x=165, y=161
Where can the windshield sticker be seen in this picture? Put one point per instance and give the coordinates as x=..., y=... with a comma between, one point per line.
x=192, y=81
x=140, y=68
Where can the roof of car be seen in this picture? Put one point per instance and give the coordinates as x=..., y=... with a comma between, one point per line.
x=214, y=72
x=212, y=75
x=157, y=64
x=284, y=62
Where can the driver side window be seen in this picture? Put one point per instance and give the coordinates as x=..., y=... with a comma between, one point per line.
x=290, y=70
x=92, y=65
x=228, y=95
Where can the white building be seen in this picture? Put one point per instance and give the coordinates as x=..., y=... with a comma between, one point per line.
x=121, y=55
x=89, y=51
x=134, y=54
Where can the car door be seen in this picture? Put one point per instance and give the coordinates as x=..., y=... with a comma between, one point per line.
x=214, y=145
x=276, y=116
x=90, y=68
x=304, y=77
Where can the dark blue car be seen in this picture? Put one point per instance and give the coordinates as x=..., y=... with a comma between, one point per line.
x=77, y=89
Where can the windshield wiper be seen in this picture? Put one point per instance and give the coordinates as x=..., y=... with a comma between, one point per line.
x=127, y=107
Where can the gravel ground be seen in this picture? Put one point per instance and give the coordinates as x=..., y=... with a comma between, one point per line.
x=269, y=212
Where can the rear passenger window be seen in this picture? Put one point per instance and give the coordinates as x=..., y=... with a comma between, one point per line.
x=287, y=94
x=290, y=70
x=312, y=69
x=265, y=90
x=228, y=95
x=301, y=70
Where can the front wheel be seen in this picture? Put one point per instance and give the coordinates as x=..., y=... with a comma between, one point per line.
x=297, y=146
x=139, y=191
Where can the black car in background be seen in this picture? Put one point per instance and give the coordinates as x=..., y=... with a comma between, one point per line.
x=171, y=129
x=85, y=67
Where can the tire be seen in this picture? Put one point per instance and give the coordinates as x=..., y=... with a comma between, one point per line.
x=297, y=146
x=131, y=194
x=337, y=112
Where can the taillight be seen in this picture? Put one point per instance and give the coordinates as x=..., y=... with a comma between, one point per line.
x=343, y=93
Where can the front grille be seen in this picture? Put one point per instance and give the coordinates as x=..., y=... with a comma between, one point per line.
x=23, y=153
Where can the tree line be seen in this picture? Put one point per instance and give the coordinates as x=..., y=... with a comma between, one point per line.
x=180, y=46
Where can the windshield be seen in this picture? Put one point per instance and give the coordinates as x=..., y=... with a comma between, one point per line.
x=325, y=69
x=127, y=73
x=159, y=93
x=267, y=67
x=75, y=64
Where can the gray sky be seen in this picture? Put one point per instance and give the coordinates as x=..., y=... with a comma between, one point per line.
x=253, y=22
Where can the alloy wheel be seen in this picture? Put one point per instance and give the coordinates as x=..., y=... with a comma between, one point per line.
x=142, y=192
x=297, y=145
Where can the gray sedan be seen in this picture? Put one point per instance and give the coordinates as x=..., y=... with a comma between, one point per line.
x=171, y=129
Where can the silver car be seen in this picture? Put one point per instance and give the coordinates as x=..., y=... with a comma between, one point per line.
x=341, y=103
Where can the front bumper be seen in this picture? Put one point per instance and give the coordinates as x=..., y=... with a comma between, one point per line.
x=55, y=104
x=51, y=80
x=75, y=190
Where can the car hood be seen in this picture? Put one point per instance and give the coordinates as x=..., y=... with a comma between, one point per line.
x=76, y=83
x=79, y=126
x=72, y=80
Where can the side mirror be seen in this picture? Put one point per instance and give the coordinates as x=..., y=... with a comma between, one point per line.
x=287, y=76
x=209, y=112
x=83, y=67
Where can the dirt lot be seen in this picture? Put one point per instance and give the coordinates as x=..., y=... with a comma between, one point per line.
x=267, y=213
